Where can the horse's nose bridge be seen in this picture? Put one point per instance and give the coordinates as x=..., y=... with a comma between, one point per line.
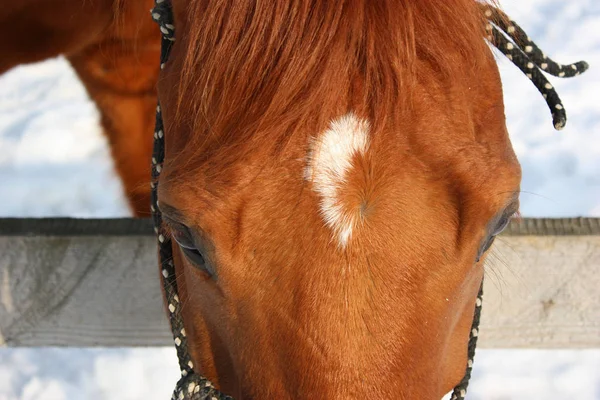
x=334, y=348
x=357, y=344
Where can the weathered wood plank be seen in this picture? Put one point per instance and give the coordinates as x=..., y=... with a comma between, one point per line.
x=80, y=291
x=542, y=291
x=135, y=226
x=95, y=283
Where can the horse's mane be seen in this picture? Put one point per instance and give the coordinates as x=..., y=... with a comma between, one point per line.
x=258, y=65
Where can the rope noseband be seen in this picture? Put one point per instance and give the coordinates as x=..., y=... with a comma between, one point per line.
x=503, y=33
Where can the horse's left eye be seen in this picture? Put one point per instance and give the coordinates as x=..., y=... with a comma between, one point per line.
x=498, y=228
x=502, y=224
x=485, y=247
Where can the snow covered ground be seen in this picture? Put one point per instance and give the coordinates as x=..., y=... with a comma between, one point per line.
x=54, y=161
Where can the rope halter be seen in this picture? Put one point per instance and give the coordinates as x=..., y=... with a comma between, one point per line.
x=508, y=37
x=503, y=33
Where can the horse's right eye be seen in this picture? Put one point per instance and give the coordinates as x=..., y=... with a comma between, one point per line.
x=196, y=258
x=182, y=236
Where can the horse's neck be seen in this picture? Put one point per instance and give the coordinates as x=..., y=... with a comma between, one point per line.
x=33, y=30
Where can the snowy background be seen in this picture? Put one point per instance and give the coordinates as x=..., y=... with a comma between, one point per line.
x=54, y=161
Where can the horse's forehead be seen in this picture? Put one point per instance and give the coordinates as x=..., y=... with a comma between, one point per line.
x=470, y=133
x=349, y=168
x=448, y=134
x=331, y=158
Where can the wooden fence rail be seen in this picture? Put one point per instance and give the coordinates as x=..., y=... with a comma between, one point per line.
x=68, y=282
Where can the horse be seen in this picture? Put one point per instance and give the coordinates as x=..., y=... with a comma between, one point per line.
x=334, y=176
x=113, y=46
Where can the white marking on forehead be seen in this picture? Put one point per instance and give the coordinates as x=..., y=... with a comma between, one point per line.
x=329, y=161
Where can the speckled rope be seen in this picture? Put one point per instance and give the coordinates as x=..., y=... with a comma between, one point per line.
x=530, y=59
x=191, y=386
x=527, y=56
x=460, y=391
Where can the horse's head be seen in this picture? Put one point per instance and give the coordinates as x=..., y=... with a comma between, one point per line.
x=335, y=173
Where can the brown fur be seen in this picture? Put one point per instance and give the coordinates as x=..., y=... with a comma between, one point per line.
x=242, y=64
x=114, y=47
x=290, y=314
